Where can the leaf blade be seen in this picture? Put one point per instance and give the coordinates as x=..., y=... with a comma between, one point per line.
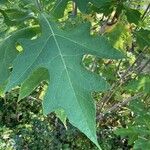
x=70, y=83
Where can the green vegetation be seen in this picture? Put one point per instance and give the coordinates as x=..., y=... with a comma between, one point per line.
x=74, y=75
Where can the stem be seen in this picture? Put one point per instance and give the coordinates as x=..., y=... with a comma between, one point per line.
x=33, y=98
x=118, y=67
x=39, y=4
x=117, y=84
x=142, y=68
x=119, y=105
x=147, y=62
x=144, y=14
x=74, y=11
x=131, y=67
x=146, y=11
x=104, y=24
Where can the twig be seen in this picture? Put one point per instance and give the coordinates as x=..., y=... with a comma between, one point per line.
x=117, y=84
x=94, y=65
x=118, y=66
x=131, y=67
x=74, y=11
x=123, y=78
x=144, y=14
x=142, y=68
x=119, y=105
x=39, y=5
x=104, y=24
x=33, y=98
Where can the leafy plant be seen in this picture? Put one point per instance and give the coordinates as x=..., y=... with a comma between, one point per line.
x=137, y=131
x=72, y=48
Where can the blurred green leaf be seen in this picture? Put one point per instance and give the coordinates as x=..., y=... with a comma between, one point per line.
x=37, y=76
x=143, y=38
x=142, y=144
x=133, y=15
x=8, y=51
x=140, y=84
x=60, y=113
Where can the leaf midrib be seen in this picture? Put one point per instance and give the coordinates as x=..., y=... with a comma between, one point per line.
x=7, y=88
x=60, y=53
x=63, y=61
x=8, y=38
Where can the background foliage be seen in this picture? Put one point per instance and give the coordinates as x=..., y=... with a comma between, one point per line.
x=120, y=29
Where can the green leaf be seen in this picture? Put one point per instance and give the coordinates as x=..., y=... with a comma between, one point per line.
x=61, y=53
x=101, y=6
x=8, y=51
x=127, y=132
x=140, y=84
x=2, y=88
x=3, y=1
x=144, y=120
x=13, y=17
x=120, y=36
x=37, y=76
x=133, y=15
x=82, y=5
x=142, y=144
x=141, y=113
x=139, y=128
x=143, y=38
x=138, y=107
x=59, y=8
x=132, y=132
x=60, y=113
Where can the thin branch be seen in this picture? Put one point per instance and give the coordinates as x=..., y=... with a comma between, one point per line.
x=94, y=65
x=33, y=98
x=117, y=84
x=131, y=67
x=144, y=14
x=142, y=68
x=119, y=105
x=104, y=24
x=39, y=4
x=126, y=79
x=147, y=9
x=74, y=11
x=118, y=66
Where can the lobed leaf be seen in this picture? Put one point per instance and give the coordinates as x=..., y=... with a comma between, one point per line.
x=70, y=84
x=8, y=51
